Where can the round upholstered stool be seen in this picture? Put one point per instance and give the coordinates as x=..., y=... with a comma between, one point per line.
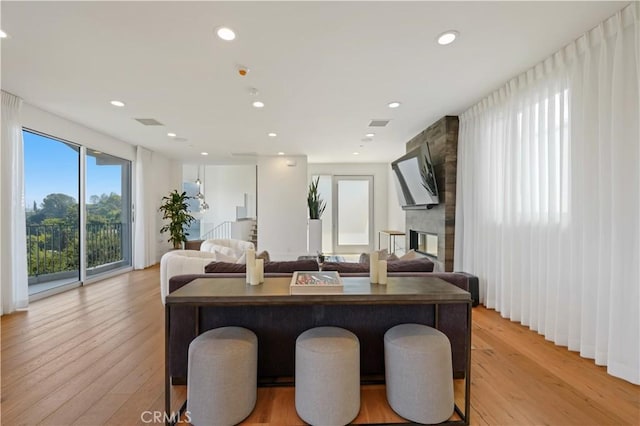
x=419, y=373
x=327, y=376
x=222, y=376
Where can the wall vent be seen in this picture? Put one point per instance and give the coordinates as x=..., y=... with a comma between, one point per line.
x=149, y=121
x=379, y=123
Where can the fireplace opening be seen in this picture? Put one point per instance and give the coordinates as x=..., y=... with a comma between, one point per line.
x=424, y=242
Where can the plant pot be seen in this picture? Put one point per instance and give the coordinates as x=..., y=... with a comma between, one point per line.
x=315, y=236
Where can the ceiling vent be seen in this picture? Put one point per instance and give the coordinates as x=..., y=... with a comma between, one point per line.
x=149, y=121
x=244, y=154
x=379, y=123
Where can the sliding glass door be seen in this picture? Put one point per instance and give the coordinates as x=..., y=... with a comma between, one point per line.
x=78, y=210
x=52, y=194
x=108, y=217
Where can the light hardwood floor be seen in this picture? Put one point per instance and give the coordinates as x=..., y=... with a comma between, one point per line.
x=95, y=355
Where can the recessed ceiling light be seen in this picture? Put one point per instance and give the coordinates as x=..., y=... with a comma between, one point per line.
x=171, y=135
x=355, y=153
x=281, y=153
x=117, y=103
x=393, y=104
x=3, y=34
x=272, y=135
x=204, y=153
x=226, y=34
x=370, y=135
x=258, y=104
x=447, y=37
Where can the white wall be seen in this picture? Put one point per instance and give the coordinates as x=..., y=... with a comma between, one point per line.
x=384, y=205
x=167, y=176
x=166, y=173
x=224, y=188
x=282, y=206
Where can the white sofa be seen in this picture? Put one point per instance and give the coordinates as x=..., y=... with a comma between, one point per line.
x=228, y=250
x=180, y=262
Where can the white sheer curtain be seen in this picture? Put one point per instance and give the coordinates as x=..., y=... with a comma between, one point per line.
x=14, y=286
x=549, y=196
x=144, y=221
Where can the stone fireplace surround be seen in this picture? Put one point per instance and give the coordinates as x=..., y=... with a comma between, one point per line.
x=442, y=139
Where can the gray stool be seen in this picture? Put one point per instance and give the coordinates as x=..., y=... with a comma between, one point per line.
x=327, y=376
x=222, y=376
x=419, y=373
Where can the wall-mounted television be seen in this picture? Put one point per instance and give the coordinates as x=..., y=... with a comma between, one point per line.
x=415, y=179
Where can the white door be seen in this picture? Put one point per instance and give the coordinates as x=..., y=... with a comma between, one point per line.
x=352, y=214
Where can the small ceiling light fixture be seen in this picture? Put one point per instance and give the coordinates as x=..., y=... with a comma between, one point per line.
x=204, y=153
x=117, y=103
x=394, y=104
x=355, y=153
x=281, y=153
x=370, y=135
x=447, y=37
x=272, y=135
x=226, y=34
x=171, y=135
x=258, y=104
x=3, y=34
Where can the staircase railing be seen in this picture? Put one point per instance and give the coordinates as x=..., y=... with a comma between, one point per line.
x=219, y=232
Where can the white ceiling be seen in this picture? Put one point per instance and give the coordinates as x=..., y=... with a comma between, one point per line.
x=323, y=69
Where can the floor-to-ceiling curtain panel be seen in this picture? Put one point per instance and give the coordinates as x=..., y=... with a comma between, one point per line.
x=549, y=196
x=14, y=285
x=144, y=221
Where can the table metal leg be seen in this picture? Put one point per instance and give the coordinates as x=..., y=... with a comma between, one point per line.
x=467, y=375
x=167, y=375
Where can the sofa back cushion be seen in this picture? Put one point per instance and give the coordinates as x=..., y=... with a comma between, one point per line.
x=416, y=265
x=225, y=267
x=291, y=266
x=269, y=267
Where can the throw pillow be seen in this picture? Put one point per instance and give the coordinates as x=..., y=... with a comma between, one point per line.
x=392, y=257
x=243, y=258
x=410, y=255
x=263, y=255
x=382, y=255
x=223, y=257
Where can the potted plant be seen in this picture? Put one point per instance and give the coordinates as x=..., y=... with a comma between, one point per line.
x=316, y=208
x=175, y=209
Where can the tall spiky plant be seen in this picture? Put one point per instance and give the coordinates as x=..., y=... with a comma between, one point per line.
x=315, y=203
x=176, y=210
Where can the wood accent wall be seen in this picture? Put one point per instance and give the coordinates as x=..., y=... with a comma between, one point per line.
x=442, y=139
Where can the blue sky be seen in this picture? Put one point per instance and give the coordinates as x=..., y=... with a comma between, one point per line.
x=52, y=167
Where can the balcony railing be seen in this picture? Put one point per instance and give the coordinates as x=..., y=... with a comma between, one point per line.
x=55, y=248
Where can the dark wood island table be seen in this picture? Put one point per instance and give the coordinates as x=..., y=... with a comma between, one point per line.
x=358, y=292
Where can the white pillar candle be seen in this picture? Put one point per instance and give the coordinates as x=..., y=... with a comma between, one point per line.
x=260, y=270
x=250, y=263
x=373, y=266
x=255, y=273
x=382, y=272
